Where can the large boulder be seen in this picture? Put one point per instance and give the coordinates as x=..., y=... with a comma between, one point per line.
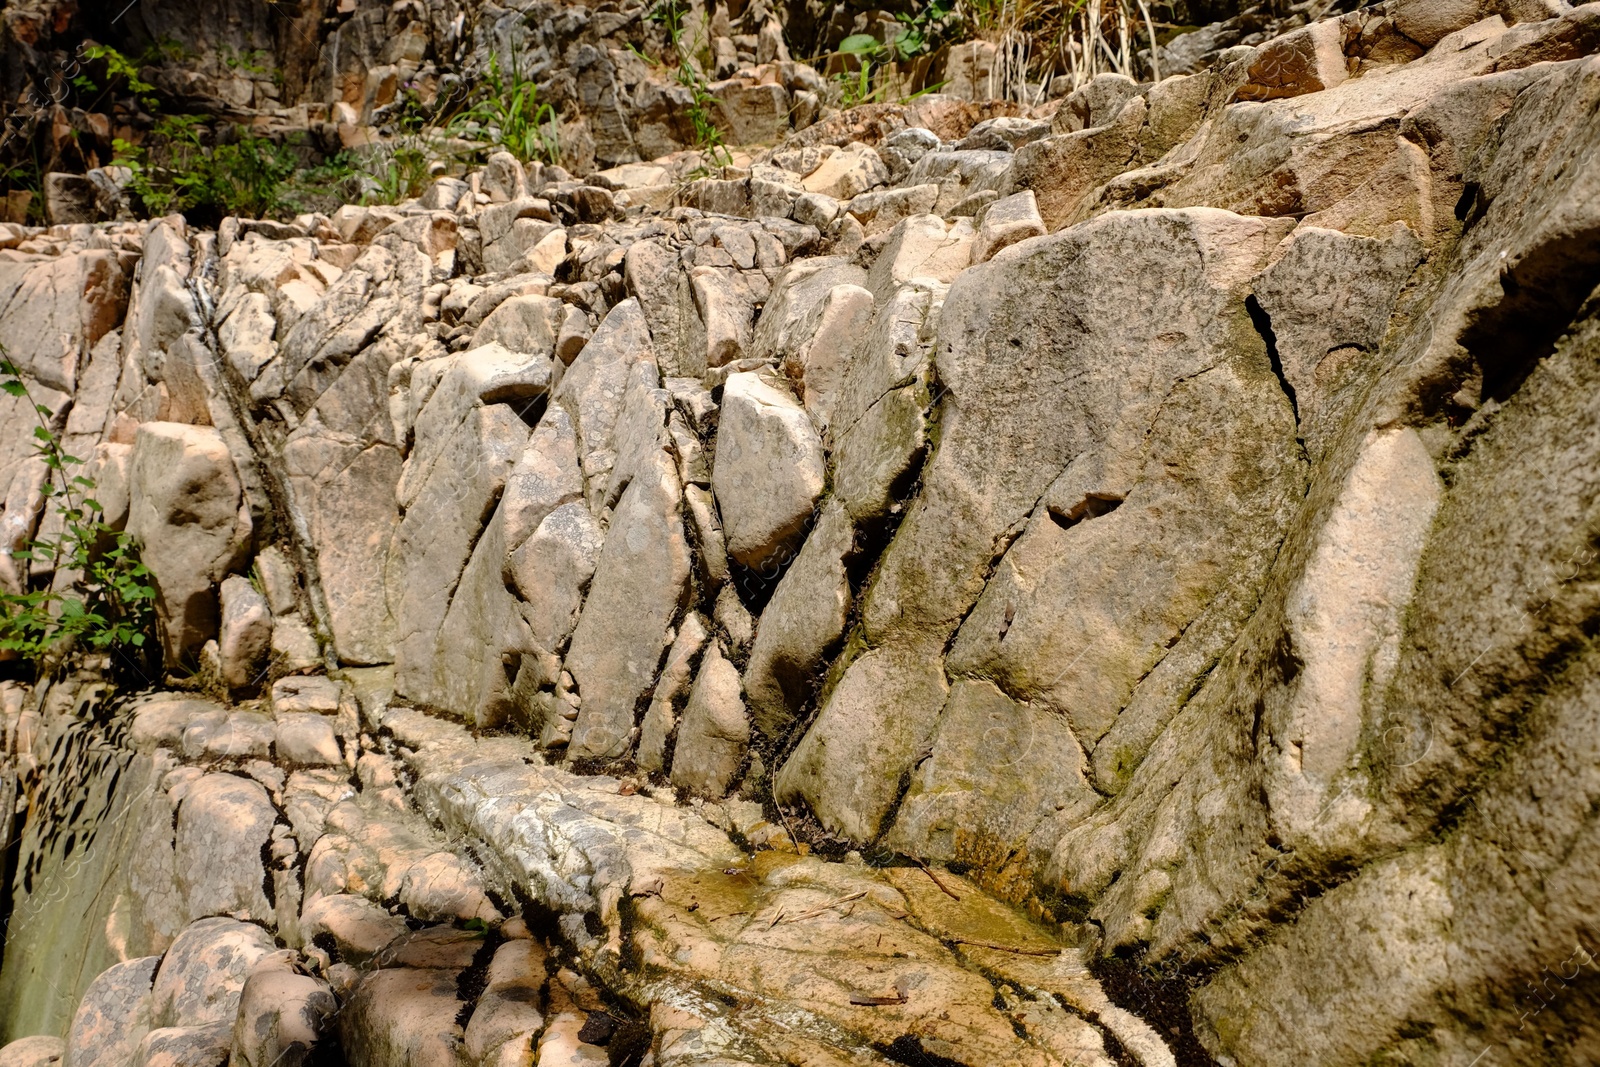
x=768, y=471
x=187, y=515
x=223, y=822
x=282, y=1020
x=76, y=298
x=638, y=590
x=715, y=731
x=113, y=1016
x=203, y=973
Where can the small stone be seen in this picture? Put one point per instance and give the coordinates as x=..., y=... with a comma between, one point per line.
x=245, y=639
x=1005, y=222
x=313, y=693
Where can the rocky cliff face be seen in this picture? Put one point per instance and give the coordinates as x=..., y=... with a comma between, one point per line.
x=1111, y=583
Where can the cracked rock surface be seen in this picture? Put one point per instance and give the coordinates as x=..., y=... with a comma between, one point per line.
x=1109, y=582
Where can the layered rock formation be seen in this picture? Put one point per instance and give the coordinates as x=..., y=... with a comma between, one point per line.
x=1157, y=531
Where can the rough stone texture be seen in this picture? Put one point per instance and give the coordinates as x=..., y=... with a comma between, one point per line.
x=222, y=824
x=803, y=622
x=714, y=732
x=114, y=1014
x=768, y=471
x=637, y=592
x=1210, y=577
x=403, y=1016
x=282, y=1018
x=41, y=1050
x=880, y=714
x=202, y=974
x=185, y=511
x=433, y=541
x=245, y=637
x=1005, y=222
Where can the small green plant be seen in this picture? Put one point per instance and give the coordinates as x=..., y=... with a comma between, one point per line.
x=669, y=14
x=402, y=168
x=340, y=179
x=121, y=73
x=707, y=135
x=512, y=114
x=246, y=176
x=855, y=87
x=923, y=31
x=100, y=596
x=254, y=61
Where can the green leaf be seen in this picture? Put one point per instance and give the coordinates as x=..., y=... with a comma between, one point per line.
x=859, y=44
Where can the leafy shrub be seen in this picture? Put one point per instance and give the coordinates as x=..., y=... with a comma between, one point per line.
x=121, y=73
x=100, y=597
x=512, y=116
x=246, y=176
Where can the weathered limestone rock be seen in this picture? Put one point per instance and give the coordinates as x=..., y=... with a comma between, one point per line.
x=962, y=176
x=402, y=1015
x=1096, y=102
x=879, y=429
x=921, y=247
x=1308, y=60
x=1005, y=222
x=481, y=636
x=223, y=823
x=677, y=673
x=348, y=494
x=641, y=427
x=1219, y=584
x=203, y=973
x=245, y=639
x=508, y=1008
x=283, y=1017
x=1343, y=620
x=799, y=292
x=592, y=389
x=1328, y=297
x=551, y=573
x=360, y=928
x=220, y=734
x=714, y=732
x=880, y=714
x=114, y=1014
x=847, y=173
x=637, y=592
x=41, y=1050
x=186, y=512
x=1062, y=170
x=524, y=324
x=802, y=624
x=818, y=358
x=432, y=543
x=315, y=694
x=768, y=471
x=996, y=767
x=184, y=1046
x=77, y=297
x=880, y=211
x=306, y=740
x=246, y=335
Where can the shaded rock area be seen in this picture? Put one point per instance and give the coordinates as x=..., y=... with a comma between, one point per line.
x=1111, y=584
